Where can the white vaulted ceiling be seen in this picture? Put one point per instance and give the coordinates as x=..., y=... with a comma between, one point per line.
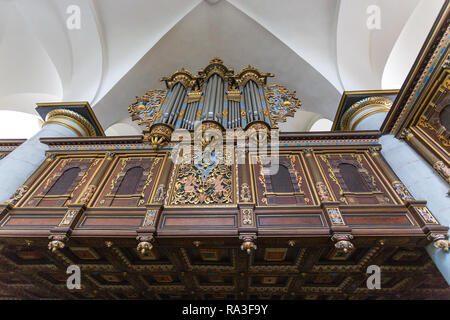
x=319, y=48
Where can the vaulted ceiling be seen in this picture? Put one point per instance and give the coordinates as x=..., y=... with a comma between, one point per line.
x=318, y=48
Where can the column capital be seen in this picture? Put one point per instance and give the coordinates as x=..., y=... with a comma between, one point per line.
x=363, y=109
x=78, y=116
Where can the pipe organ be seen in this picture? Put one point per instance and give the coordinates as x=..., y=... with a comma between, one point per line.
x=141, y=225
x=218, y=95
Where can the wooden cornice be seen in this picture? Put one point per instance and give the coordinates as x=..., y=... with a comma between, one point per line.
x=92, y=140
x=11, y=142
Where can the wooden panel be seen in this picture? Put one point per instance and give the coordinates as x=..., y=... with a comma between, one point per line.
x=197, y=222
x=305, y=221
x=385, y=220
x=30, y=222
x=112, y=222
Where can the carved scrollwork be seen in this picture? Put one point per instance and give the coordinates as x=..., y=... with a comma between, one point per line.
x=147, y=108
x=282, y=103
x=203, y=183
x=401, y=190
x=17, y=195
x=443, y=170
x=440, y=241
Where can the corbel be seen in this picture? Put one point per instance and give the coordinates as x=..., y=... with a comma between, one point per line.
x=440, y=241
x=60, y=234
x=145, y=243
x=342, y=242
x=248, y=242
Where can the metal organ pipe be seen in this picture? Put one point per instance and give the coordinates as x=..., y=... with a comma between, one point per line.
x=177, y=106
x=258, y=101
x=211, y=109
x=220, y=93
x=169, y=104
x=207, y=99
x=248, y=103
x=253, y=99
x=178, y=91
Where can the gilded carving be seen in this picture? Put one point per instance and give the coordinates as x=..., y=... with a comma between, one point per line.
x=247, y=216
x=426, y=215
x=245, y=192
x=147, y=107
x=68, y=217
x=401, y=190
x=443, y=170
x=206, y=182
x=17, y=195
x=322, y=190
x=282, y=103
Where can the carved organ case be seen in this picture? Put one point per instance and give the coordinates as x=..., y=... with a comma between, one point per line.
x=110, y=204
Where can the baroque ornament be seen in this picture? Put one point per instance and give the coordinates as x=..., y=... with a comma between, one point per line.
x=147, y=108
x=17, y=195
x=401, y=190
x=204, y=182
x=247, y=216
x=282, y=103
x=426, y=215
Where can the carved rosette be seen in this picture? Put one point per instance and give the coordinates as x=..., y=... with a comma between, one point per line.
x=158, y=134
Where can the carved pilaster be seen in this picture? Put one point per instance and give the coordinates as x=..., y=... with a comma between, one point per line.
x=319, y=183
x=438, y=165
x=86, y=196
x=398, y=186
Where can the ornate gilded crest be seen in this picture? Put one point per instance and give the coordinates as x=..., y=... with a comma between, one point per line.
x=147, y=108
x=282, y=103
